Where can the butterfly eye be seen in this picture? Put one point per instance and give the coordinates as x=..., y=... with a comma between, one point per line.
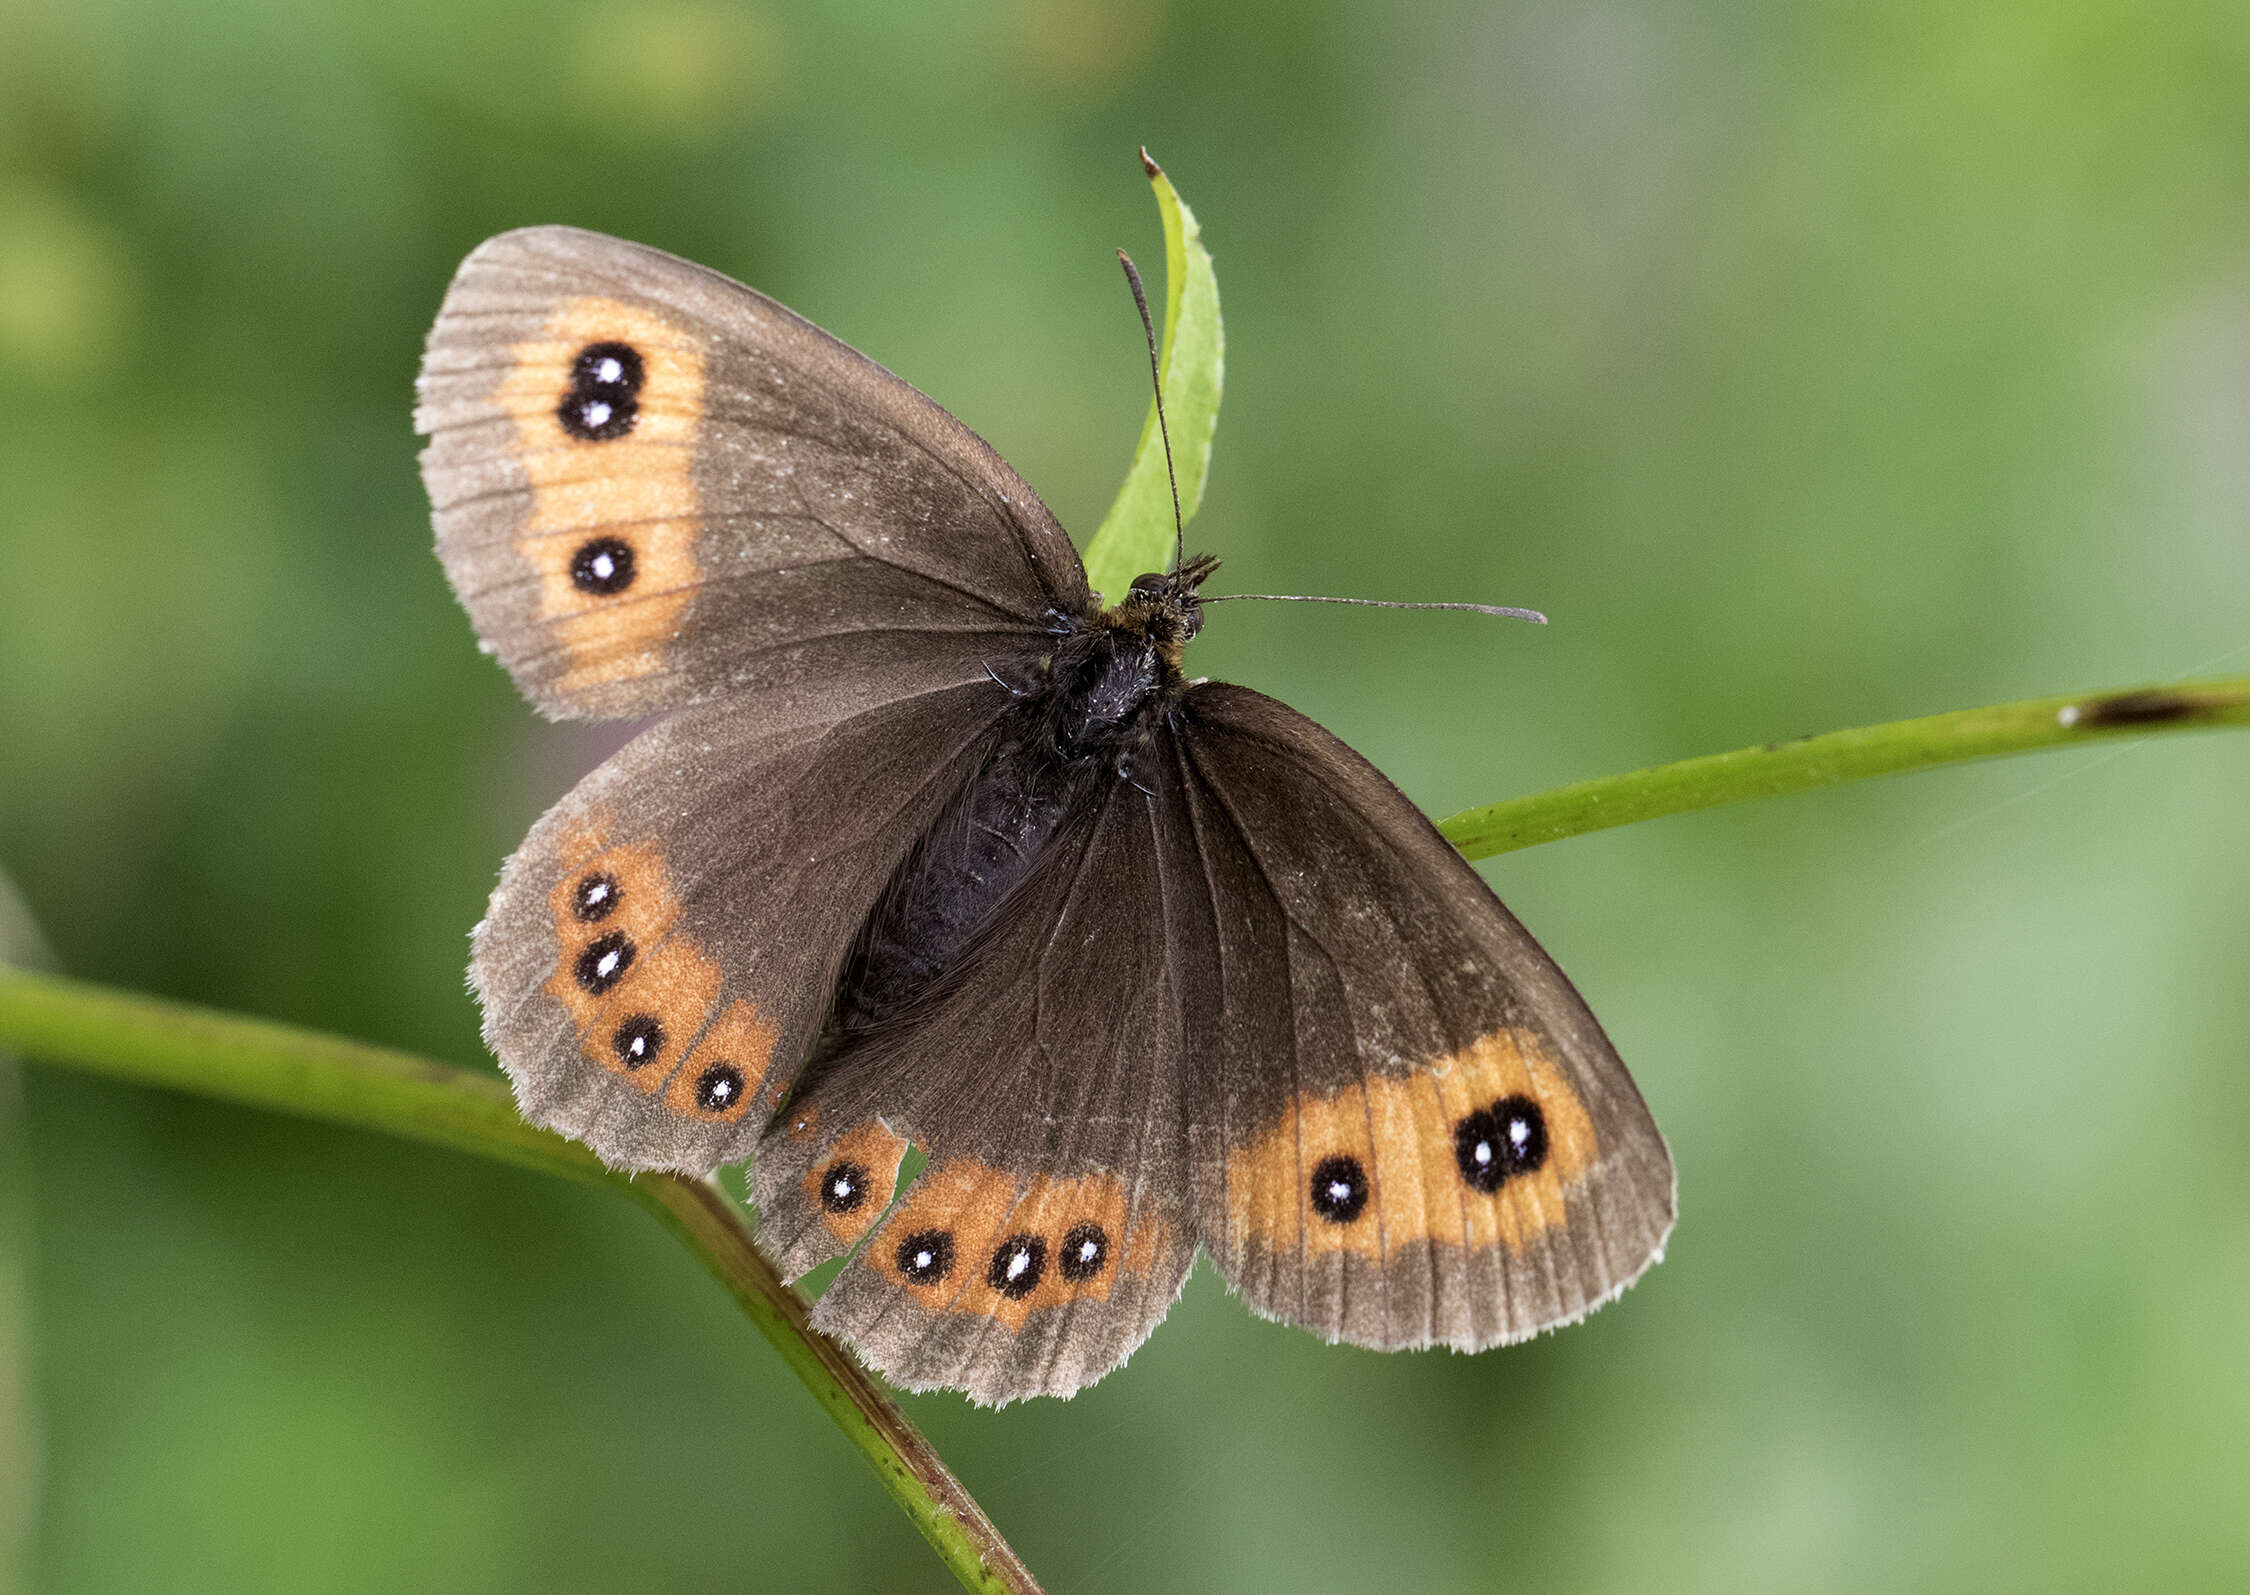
x=1152, y=583
x=1339, y=1188
x=926, y=1256
x=637, y=1040
x=1018, y=1266
x=1084, y=1250
x=604, y=962
x=843, y=1187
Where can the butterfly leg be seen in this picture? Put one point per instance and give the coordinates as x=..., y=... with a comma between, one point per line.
x=1009, y=688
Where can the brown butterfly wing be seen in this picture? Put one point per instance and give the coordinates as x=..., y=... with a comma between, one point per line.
x=654, y=486
x=1409, y=1128
x=1046, y=1080
x=663, y=947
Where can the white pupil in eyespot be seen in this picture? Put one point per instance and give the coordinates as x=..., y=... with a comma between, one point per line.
x=608, y=964
x=609, y=370
x=603, y=567
x=721, y=1089
x=1518, y=1132
x=1339, y=1191
x=1086, y=1251
x=1018, y=1263
x=1484, y=1152
x=596, y=413
x=922, y=1259
x=843, y=1186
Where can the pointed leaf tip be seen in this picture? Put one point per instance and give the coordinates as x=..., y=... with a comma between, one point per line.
x=1136, y=535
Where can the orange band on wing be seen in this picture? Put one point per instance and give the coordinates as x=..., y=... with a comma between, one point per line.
x=970, y=1239
x=638, y=988
x=853, y=1184
x=611, y=907
x=721, y=1076
x=614, y=518
x=1473, y=1149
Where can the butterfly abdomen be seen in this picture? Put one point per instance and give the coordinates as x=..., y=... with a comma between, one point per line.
x=1079, y=712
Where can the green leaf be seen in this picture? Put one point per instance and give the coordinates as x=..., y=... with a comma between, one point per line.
x=1136, y=535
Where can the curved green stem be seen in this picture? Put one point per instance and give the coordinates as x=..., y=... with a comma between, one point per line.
x=269, y=1065
x=1799, y=765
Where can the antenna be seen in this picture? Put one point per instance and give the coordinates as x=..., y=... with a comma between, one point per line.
x=1156, y=376
x=1179, y=522
x=1532, y=615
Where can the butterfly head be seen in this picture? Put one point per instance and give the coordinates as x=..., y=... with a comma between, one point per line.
x=1163, y=606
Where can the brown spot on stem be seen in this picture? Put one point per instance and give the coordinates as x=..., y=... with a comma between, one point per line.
x=2154, y=706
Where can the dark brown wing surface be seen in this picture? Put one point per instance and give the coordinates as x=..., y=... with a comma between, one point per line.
x=664, y=945
x=1409, y=1129
x=654, y=485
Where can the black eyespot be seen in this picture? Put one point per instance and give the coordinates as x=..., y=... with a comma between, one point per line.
x=595, y=898
x=1493, y=1145
x=1523, y=1135
x=843, y=1186
x=1477, y=1151
x=718, y=1088
x=926, y=1256
x=1339, y=1188
x=603, y=566
x=638, y=1039
x=608, y=368
x=1084, y=1252
x=604, y=396
x=1018, y=1266
x=604, y=962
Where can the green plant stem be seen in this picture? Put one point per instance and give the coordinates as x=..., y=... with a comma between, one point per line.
x=1836, y=756
x=267, y=1065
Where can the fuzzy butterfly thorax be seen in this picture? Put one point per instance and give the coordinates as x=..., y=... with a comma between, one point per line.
x=927, y=848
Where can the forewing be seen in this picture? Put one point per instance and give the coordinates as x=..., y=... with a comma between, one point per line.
x=1409, y=1128
x=663, y=947
x=1052, y=1228
x=654, y=485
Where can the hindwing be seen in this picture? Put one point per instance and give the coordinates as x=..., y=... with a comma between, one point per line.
x=1409, y=1128
x=662, y=949
x=1047, y=1082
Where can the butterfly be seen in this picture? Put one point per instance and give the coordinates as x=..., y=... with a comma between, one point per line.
x=930, y=848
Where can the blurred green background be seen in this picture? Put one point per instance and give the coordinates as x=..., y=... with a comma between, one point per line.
x=1811, y=366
